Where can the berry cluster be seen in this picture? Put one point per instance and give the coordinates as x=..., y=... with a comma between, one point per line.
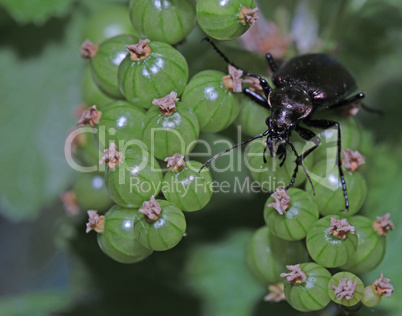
x=142, y=118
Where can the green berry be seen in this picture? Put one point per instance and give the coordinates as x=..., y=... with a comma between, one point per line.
x=297, y=217
x=85, y=148
x=183, y=185
x=167, y=21
x=252, y=117
x=105, y=60
x=90, y=192
x=168, y=131
x=151, y=70
x=345, y=288
x=91, y=94
x=328, y=189
x=116, y=236
x=331, y=242
x=216, y=106
x=132, y=176
x=160, y=226
x=270, y=175
x=370, y=298
x=225, y=20
x=306, y=288
x=370, y=248
x=267, y=255
x=113, y=20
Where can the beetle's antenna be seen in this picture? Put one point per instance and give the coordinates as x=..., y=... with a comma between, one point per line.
x=297, y=168
x=235, y=146
x=264, y=84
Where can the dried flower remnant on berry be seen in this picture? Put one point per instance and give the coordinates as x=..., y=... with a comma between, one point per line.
x=352, y=159
x=151, y=209
x=295, y=276
x=90, y=117
x=233, y=80
x=248, y=16
x=176, y=163
x=70, y=203
x=254, y=84
x=383, y=224
x=345, y=289
x=88, y=49
x=282, y=201
x=112, y=157
x=383, y=287
x=340, y=228
x=96, y=222
x=139, y=51
x=276, y=293
x=351, y=110
x=167, y=104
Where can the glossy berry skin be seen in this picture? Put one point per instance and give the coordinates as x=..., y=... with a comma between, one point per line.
x=167, y=21
x=91, y=94
x=220, y=19
x=170, y=134
x=312, y=294
x=251, y=117
x=216, y=107
x=108, y=22
x=328, y=189
x=163, y=71
x=370, y=247
x=268, y=255
x=118, y=239
x=86, y=149
x=358, y=294
x=327, y=249
x=120, y=122
x=105, y=63
x=270, y=175
x=90, y=192
x=187, y=188
x=135, y=180
x=298, y=219
x=163, y=233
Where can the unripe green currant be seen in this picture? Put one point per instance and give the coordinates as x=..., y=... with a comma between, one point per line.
x=132, y=176
x=151, y=70
x=90, y=192
x=116, y=235
x=120, y=123
x=91, y=94
x=371, y=243
x=373, y=293
x=160, y=226
x=290, y=215
x=268, y=255
x=105, y=60
x=215, y=104
x=167, y=21
x=328, y=189
x=226, y=20
x=85, y=148
x=183, y=185
x=306, y=288
x=331, y=241
x=251, y=117
x=170, y=127
x=108, y=22
x=345, y=288
x=271, y=175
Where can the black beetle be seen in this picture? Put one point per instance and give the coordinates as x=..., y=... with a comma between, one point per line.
x=304, y=84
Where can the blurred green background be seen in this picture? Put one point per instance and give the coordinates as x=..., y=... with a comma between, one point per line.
x=50, y=267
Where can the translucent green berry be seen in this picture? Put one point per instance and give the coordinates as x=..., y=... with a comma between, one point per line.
x=290, y=214
x=370, y=298
x=345, y=288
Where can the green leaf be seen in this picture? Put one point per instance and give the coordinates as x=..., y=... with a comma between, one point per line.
x=218, y=273
x=41, y=72
x=36, y=11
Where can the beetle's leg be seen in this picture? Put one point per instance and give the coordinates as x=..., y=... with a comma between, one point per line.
x=256, y=98
x=264, y=83
x=324, y=124
x=264, y=154
x=283, y=159
x=309, y=136
x=347, y=101
x=272, y=63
